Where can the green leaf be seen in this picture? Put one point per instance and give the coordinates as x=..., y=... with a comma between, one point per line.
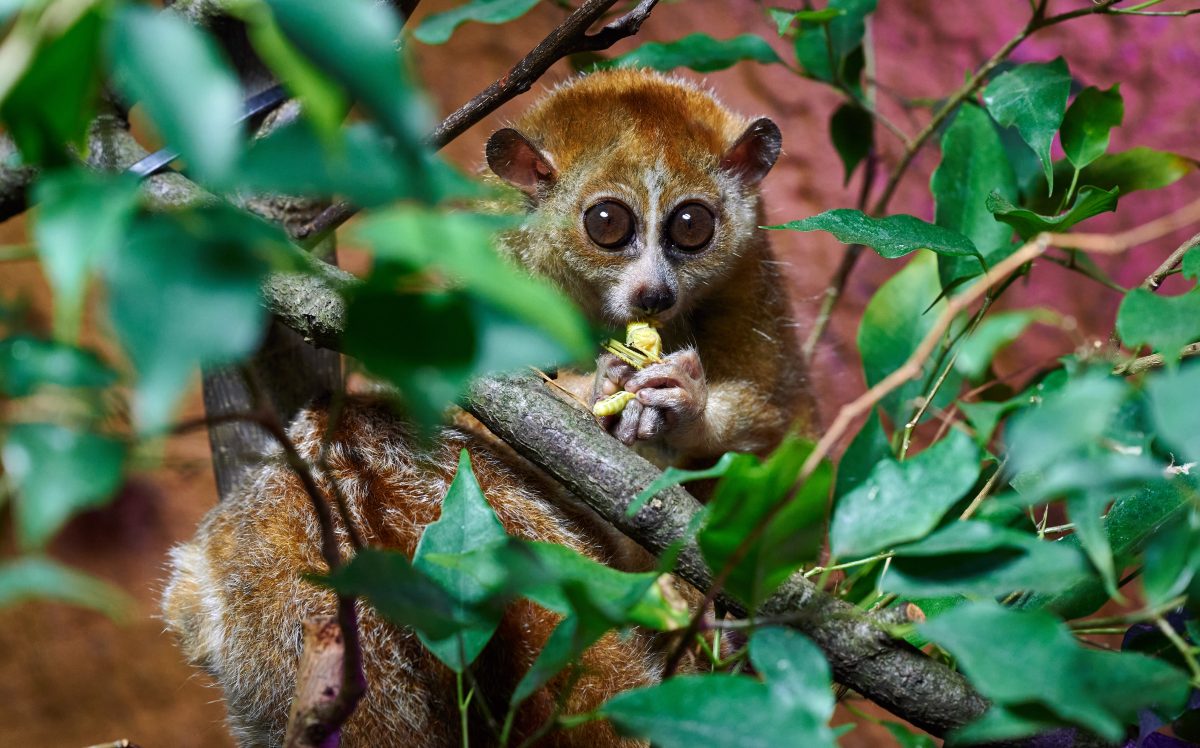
x=699, y=52
x=974, y=164
x=904, y=501
x=981, y=559
x=82, y=217
x=401, y=593
x=1136, y=169
x=176, y=73
x=1091, y=201
x=868, y=447
x=354, y=42
x=1134, y=517
x=795, y=669
x=992, y=334
x=438, y=28
x=1191, y=264
x=58, y=472
x=741, y=501
x=838, y=39
x=1064, y=421
x=783, y=19
x=1087, y=123
x=1032, y=98
x=674, y=476
x=52, y=103
x=895, y=321
x=892, y=237
x=27, y=363
x=1176, y=410
x=1099, y=691
x=793, y=707
x=1165, y=323
x=1172, y=561
x=467, y=523
x=40, y=578
x=906, y=738
x=852, y=131
x=184, y=290
x=462, y=245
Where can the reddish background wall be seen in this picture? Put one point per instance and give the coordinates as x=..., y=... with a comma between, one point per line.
x=72, y=678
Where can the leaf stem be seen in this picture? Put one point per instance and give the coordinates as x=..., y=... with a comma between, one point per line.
x=1189, y=655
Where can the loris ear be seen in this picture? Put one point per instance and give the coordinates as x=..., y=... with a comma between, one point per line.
x=754, y=153
x=518, y=162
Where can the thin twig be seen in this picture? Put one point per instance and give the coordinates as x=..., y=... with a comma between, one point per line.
x=1155, y=279
x=570, y=37
x=1153, y=361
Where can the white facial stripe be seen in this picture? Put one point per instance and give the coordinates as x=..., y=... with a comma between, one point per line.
x=654, y=180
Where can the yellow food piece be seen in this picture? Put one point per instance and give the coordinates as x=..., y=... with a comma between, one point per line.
x=645, y=338
x=613, y=404
x=642, y=345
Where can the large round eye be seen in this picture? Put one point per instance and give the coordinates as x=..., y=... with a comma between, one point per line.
x=690, y=227
x=609, y=224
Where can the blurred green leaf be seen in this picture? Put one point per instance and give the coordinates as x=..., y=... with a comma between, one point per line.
x=792, y=707
x=1087, y=123
x=1063, y=421
x=1190, y=266
x=357, y=163
x=40, y=578
x=1033, y=98
x=699, y=52
x=978, y=558
x=58, y=472
x=741, y=501
x=1165, y=323
x=1172, y=561
x=1091, y=201
x=852, y=131
x=1100, y=691
x=891, y=237
x=820, y=41
x=904, y=501
x=462, y=245
x=867, y=448
x=895, y=321
x=438, y=28
x=354, y=42
x=51, y=105
x=82, y=217
x=1176, y=410
x=184, y=290
x=467, y=523
x=322, y=101
x=27, y=363
x=177, y=74
x=783, y=19
x=402, y=594
x=992, y=334
x=974, y=164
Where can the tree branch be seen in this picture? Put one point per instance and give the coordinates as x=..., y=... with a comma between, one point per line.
x=570, y=37
x=565, y=441
x=1155, y=279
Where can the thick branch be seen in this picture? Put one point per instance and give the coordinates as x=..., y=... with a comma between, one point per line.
x=570, y=37
x=566, y=442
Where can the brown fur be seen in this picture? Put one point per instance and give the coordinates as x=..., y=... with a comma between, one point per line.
x=237, y=595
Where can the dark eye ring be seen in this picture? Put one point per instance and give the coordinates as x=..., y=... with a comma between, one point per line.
x=691, y=226
x=609, y=224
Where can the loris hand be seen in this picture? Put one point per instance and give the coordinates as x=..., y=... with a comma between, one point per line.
x=671, y=394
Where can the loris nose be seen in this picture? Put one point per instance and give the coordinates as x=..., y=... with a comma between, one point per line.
x=654, y=299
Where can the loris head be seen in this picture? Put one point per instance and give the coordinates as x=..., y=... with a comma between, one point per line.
x=644, y=191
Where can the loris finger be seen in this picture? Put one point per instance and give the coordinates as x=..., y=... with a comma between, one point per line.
x=627, y=427
x=659, y=375
x=651, y=423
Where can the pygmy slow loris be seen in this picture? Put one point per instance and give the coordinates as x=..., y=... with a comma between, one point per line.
x=644, y=197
